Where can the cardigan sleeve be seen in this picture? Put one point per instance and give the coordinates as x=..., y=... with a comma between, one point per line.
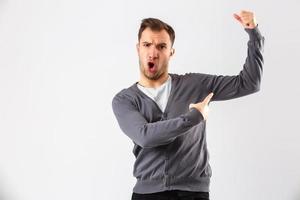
x=148, y=135
x=246, y=82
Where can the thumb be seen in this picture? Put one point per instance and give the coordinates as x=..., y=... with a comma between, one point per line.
x=237, y=17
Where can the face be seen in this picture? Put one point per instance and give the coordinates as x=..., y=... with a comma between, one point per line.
x=154, y=50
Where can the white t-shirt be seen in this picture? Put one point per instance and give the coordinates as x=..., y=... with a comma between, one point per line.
x=160, y=95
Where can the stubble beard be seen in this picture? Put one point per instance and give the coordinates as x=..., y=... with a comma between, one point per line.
x=155, y=76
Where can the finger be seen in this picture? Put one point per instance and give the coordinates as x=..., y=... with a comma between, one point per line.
x=208, y=98
x=237, y=17
x=244, y=20
x=244, y=12
x=191, y=105
x=247, y=21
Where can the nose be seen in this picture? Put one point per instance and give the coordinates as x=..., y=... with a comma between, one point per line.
x=153, y=53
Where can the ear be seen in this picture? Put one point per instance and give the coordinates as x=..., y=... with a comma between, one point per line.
x=137, y=47
x=172, y=52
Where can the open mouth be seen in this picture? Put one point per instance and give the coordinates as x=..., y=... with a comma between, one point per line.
x=151, y=65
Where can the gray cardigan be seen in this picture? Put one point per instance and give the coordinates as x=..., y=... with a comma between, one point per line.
x=170, y=146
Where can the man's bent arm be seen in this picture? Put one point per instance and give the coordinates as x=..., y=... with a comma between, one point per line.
x=148, y=135
x=246, y=82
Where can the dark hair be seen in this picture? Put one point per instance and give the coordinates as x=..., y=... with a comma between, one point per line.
x=156, y=25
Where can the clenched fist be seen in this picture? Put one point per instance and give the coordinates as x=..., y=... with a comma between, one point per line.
x=246, y=18
x=203, y=106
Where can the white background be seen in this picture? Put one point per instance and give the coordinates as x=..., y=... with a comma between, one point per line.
x=62, y=61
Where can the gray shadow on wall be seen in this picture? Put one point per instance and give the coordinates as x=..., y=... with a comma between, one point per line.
x=4, y=194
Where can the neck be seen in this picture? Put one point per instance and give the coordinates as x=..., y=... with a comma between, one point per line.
x=145, y=82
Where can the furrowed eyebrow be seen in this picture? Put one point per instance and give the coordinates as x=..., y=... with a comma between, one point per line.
x=159, y=44
x=162, y=44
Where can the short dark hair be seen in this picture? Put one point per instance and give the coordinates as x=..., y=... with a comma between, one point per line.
x=156, y=25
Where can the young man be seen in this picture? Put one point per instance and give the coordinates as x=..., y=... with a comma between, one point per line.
x=165, y=114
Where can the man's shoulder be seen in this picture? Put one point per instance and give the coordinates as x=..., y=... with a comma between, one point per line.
x=126, y=93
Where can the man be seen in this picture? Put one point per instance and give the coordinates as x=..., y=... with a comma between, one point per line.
x=165, y=114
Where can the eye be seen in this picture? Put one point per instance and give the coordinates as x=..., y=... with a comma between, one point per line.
x=146, y=44
x=161, y=47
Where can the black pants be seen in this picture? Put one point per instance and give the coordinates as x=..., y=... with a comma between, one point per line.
x=172, y=195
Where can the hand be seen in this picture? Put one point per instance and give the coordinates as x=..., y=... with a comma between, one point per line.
x=246, y=18
x=203, y=106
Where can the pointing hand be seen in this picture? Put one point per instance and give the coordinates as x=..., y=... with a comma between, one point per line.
x=203, y=106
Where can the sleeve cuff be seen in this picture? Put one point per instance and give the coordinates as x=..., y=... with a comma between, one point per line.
x=254, y=34
x=194, y=116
